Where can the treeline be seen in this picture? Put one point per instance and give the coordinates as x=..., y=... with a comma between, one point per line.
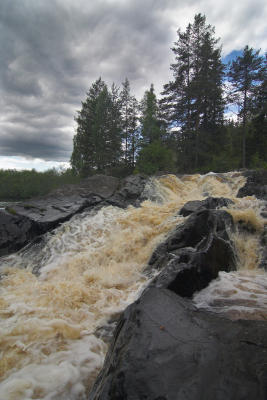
x=20, y=185
x=187, y=130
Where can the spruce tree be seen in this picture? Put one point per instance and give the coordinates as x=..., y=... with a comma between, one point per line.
x=257, y=140
x=193, y=101
x=129, y=117
x=150, y=122
x=245, y=74
x=154, y=155
x=97, y=143
x=133, y=132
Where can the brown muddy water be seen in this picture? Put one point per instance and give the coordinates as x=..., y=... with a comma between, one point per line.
x=91, y=268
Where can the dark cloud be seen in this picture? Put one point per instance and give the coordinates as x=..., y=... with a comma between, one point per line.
x=51, y=52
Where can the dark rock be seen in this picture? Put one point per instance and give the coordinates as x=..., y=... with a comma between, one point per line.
x=256, y=184
x=194, y=232
x=39, y=215
x=209, y=203
x=101, y=185
x=190, y=271
x=194, y=253
x=43, y=214
x=50, y=211
x=129, y=192
x=263, y=253
x=264, y=211
x=165, y=349
x=15, y=231
x=36, y=217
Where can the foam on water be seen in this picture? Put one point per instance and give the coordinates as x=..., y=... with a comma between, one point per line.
x=241, y=294
x=86, y=271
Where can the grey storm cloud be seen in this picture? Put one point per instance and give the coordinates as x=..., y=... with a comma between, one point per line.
x=52, y=51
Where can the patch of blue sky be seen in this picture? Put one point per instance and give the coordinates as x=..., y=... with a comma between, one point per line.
x=231, y=56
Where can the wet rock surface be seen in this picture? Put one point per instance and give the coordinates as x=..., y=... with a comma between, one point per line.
x=129, y=192
x=194, y=253
x=263, y=259
x=210, y=203
x=15, y=232
x=24, y=221
x=256, y=184
x=164, y=349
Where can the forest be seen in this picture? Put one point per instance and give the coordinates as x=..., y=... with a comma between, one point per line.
x=189, y=129
x=210, y=117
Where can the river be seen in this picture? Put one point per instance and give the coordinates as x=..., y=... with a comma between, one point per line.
x=55, y=321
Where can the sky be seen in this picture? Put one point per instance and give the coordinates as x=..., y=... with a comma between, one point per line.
x=51, y=51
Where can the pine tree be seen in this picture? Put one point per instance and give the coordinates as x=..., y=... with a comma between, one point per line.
x=150, y=122
x=134, y=132
x=154, y=155
x=114, y=127
x=245, y=75
x=97, y=143
x=193, y=101
x=129, y=116
x=257, y=140
x=261, y=93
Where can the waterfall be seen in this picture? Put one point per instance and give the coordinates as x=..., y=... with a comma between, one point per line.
x=60, y=299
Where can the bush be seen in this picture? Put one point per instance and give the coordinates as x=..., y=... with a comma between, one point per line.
x=153, y=158
x=20, y=185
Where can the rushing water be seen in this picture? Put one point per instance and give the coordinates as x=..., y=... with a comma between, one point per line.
x=3, y=204
x=88, y=271
x=241, y=294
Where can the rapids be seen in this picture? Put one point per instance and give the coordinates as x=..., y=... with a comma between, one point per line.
x=57, y=298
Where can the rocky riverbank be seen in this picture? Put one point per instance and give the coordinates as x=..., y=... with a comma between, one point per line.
x=22, y=223
x=164, y=347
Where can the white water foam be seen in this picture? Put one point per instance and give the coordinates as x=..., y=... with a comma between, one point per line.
x=89, y=270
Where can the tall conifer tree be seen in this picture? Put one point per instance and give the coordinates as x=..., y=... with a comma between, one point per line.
x=245, y=75
x=150, y=121
x=193, y=101
x=97, y=143
x=129, y=117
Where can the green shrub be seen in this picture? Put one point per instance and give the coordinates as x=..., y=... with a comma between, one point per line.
x=153, y=158
x=21, y=185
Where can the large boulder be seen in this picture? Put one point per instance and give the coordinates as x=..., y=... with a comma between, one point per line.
x=256, y=184
x=130, y=191
x=37, y=216
x=15, y=232
x=193, y=235
x=164, y=349
x=211, y=203
x=22, y=222
x=194, y=253
x=191, y=270
x=101, y=185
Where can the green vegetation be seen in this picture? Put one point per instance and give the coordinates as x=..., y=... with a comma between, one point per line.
x=20, y=185
x=245, y=74
x=187, y=130
x=11, y=210
x=154, y=158
x=129, y=125
x=97, y=143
